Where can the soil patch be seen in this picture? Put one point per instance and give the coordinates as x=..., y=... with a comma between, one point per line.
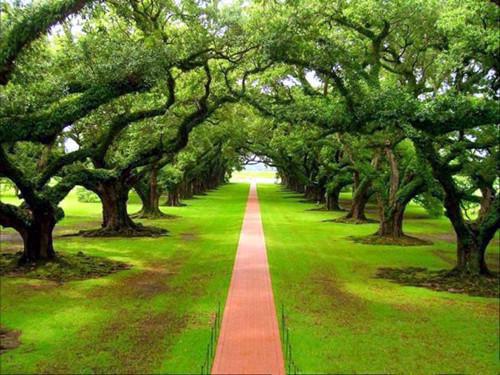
x=321, y=208
x=9, y=339
x=63, y=268
x=135, y=344
x=338, y=303
x=157, y=216
x=401, y=241
x=136, y=339
x=443, y=280
x=68, y=230
x=308, y=201
x=324, y=209
x=187, y=236
x=138, y=231
x=344, y=220
x=14, y=238
x=147, y=337
x=154, y=280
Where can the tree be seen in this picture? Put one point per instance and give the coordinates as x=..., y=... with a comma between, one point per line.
x=32, y=23
x=81, y=90
x=34, y=131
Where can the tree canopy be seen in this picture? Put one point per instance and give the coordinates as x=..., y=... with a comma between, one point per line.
x=396, y=100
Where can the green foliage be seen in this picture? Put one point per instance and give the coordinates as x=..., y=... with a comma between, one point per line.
x=86, y=196
x=432, y=205
x=171, y=177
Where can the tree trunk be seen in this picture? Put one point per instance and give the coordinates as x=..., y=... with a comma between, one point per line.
x=359, y=201
x=173, y=199
x=315, y=193
x=150, y=197
x=311, y=193
x=332, y=200
x=37, y=238
x=150, y=206
x=114, y=197
x=186, y=190
x=393, y=208
x=361, y=194
x=115, y=218
x=391, y=222
x=34, y=225
x=472, y=237
x=470, y=254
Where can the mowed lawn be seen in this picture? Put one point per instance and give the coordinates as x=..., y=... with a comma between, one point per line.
x=343, y=320
x=153, y=318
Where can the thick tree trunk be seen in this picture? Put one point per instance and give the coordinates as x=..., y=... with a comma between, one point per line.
x=173, y=199
x=37, y=238
x=186, y=190
x=470, y=254
x=115, y=218
x=391, y=222
x=198, y=187
x=361, y=195
x=150, y=206
x=284, y=180
x=359, y=201
x=34, y=225
x=296, y=186
x=332, y=200
x=392, y=212
x=150, y=198
x=315, y=193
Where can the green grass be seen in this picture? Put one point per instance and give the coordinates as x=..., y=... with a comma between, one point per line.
x=343, y=320
x=152, y=318
x=155, y=317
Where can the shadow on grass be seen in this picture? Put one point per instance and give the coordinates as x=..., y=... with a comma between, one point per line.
x=375, y=239
x=344, y=220
x=64, y=267
x=324, y=209
x=443, y=280
x=138, y=230
x=9, y=339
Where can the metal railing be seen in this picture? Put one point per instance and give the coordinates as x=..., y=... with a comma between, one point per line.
x=290, y=365
x=206, y=368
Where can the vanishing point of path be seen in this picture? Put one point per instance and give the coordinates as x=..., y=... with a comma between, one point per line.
x=249, y=342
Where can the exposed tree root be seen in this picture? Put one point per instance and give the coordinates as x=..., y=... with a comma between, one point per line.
x=9, y=339
x=344, y=220
x=178, y=204
x=308, y=200
x=324, y=208
x=375, y=239
x=444, y=280
x=63, y=267
x=152, y=215
x=137, y=230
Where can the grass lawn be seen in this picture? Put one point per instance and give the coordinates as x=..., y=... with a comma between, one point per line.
x=343, y=320
x=154, y=317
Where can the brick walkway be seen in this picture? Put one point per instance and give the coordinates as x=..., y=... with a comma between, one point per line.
x=249, y=342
